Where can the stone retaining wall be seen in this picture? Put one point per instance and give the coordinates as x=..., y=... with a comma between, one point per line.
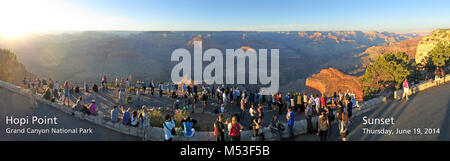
x=157, y=134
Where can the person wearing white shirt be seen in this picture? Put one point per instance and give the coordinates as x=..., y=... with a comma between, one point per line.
x=317, y=102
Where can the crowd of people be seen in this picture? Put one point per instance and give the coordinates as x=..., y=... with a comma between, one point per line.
x=249, y=102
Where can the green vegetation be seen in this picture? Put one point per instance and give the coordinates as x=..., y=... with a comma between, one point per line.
x=157, y=118
x=387, y=72
x=439, y=56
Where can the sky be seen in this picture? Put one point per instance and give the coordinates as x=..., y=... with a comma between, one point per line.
x=23, y=16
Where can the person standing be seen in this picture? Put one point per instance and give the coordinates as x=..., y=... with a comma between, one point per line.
x=252, y=112
x=243, y=108
x=324, y=124
x=349, y=110
x=56, y=90
x=138, y=98
x=437, y=76
x=235, y=128
x=288, y=100
x=152, y=87
x=66, y=93
x=343, y=126
x=219, y=129
x=323, y=101
x=290, y=117
x=279, y=103
x=299, y=102
x=308, y=115
x=121, y=97
x=292, y=102
x=405, y=89
x=86, y=86
x=161, y=88
x=317, y=102
x=313, y=104
x=339, y=113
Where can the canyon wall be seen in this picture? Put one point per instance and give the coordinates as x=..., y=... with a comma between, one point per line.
x=429, y=42
x=331, y=80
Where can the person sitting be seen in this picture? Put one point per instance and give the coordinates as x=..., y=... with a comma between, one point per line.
x=188, y=123
x=276, y=127
x=93, y=108
x=77, y=89
x=114, y=115
x=47, y=94
x=257, y=129
x=126, y=116
x=134, y=119
x=80, y=106
x=169, y=130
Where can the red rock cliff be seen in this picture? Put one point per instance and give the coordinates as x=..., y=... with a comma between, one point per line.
x=331, y=80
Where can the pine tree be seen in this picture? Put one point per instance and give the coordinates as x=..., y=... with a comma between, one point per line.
x=387, y=72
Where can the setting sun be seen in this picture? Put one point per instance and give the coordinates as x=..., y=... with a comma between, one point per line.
x=20, y=17
x=12, y=33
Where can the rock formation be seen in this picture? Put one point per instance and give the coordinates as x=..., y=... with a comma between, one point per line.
x=331, y=80
x=429, y=42
x=408, y=46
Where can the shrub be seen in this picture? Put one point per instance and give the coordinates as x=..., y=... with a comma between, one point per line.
x=156, y=118
x=387, y=72
x=439, y=56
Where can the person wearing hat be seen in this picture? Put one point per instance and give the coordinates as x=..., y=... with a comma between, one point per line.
x=93, y=108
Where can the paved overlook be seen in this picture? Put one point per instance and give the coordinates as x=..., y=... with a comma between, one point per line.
x=12, y=104
x=426, y=109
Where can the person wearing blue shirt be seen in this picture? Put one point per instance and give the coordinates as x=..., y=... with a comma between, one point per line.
x=255, y=98
x=188, y=130
x=168, y=125
x=114, y=115
x=288, y=98
x=126, y=116
x=169, y=88
x=290, y=117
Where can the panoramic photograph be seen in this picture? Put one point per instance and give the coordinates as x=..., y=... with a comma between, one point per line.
x=209, y=71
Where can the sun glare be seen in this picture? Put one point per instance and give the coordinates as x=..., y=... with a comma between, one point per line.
x=22, y=17
x=12, y=33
